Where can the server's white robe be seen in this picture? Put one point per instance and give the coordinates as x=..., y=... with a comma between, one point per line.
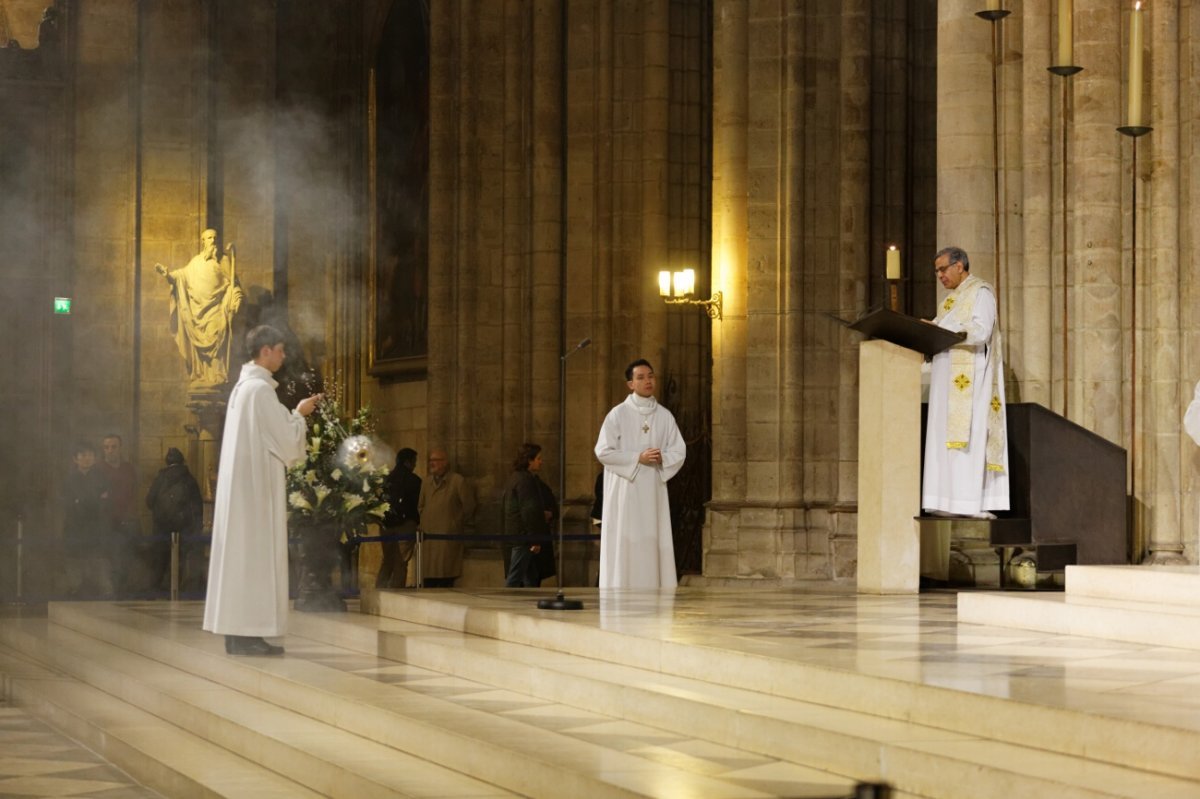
x=958, y=480
x=1191, y=419
x=248, y=569
x=636, y=546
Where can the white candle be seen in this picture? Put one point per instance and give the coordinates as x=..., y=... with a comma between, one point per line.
x=993, y=5
x=1135, y=67
x=893, y=263
x=1066, y=49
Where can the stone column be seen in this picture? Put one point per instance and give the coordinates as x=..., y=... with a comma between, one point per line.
x=1160, y=191
x=1034, y=265
x=1189, y=284
x=854, y=265
x=964, y=148
x=1096, y=332
x=729, y=221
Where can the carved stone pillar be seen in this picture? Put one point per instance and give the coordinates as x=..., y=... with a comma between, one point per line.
x=729, y=267
x=1160, y=184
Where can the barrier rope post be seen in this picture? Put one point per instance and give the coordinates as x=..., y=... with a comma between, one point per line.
x=20, y=553
x=174, y=567
x=417, y=554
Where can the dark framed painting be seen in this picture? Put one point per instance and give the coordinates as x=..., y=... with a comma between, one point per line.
x=398, y=124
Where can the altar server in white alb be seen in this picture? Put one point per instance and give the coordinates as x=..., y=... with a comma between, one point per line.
x=966, y=451
x=641, y=450
x=248, y=575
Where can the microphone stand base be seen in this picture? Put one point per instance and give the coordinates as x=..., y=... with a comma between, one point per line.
x=560, y=603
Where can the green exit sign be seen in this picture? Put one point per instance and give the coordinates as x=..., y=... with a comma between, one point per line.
x=62, y=305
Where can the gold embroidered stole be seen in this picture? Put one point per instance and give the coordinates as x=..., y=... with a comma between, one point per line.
x=959, y=305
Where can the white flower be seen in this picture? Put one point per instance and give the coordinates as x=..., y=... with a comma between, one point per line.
x=366, y=486
x=322, y=492
x=380, y=510
x=310, y=477
x=351, y=502
x=336, y=474
x=297, y=500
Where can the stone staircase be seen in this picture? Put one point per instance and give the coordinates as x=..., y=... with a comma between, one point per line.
x=446, y=695
x=1155, y=605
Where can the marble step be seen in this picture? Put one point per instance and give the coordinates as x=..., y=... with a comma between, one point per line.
x=911, y=757
x=159, y=755
x=1163, y=585
x=1151, y=623
x=322, y=758
x=519, y=756
x=1055, y=730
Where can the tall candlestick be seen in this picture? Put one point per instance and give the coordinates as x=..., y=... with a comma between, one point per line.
x=1066, y=48
x=893, y=263
x=1135, y=67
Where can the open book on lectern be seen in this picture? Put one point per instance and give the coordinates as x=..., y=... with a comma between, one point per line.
x=904, y=331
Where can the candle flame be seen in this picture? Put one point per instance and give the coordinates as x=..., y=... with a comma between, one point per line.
x=1137, y=6
x=891, y=246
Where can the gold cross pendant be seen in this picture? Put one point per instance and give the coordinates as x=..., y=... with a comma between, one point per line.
x=645, y=427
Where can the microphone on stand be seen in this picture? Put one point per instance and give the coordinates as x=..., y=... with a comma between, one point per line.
x=560, y=602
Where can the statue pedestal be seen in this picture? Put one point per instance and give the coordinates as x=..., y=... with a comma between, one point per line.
x=205, y=448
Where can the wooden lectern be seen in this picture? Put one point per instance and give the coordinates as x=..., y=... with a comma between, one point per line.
x=889, y=447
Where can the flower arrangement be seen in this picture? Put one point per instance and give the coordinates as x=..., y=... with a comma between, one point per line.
x=341, y=480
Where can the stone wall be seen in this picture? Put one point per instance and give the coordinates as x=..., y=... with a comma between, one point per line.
x=252, y=117
x=1126, y=364
x=816, y=156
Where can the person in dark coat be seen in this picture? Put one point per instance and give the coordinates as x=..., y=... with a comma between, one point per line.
x=86, y=532
x=530, y=509
x=176, y=506
x=403, y=491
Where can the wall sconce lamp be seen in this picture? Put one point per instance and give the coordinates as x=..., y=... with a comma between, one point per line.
x=677, y=288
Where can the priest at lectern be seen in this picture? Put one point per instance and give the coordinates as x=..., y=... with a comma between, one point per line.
x=966, y=451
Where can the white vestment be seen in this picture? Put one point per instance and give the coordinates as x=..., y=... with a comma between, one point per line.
x=1191, y=419
x=248, y=570
x=961, y=480
x=636, y=546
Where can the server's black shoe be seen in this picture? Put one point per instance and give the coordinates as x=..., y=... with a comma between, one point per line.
x=250, y=645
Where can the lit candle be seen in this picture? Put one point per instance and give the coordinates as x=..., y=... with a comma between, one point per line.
x=893, y=263
x=1066, y=48
x=1135, y=67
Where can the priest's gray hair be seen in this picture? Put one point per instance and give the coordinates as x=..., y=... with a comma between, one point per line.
x=259, y=337
x=957, y=255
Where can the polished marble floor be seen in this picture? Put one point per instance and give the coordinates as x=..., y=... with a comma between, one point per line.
x=37, y=761
x=910, y=638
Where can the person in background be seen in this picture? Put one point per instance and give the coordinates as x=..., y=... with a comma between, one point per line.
x=86, y=527
x=126, y=550
x=447, y=502
x=176, y=506
x=403, y=489
x=529, y=509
